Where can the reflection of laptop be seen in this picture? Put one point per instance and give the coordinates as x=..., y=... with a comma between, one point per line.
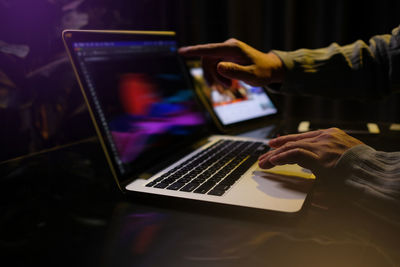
x=146, y=115
x=237, y=109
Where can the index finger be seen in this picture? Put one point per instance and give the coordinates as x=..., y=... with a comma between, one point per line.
x=279, y=141
x=209, y=50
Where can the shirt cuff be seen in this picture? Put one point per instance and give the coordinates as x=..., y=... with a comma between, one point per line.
x=286, y=58
x=353, y=157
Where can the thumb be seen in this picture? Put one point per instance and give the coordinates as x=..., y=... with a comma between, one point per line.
x=232, y=70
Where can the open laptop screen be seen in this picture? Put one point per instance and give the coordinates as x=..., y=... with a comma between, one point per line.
x=140, y=95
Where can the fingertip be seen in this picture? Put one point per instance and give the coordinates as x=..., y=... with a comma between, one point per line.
x=261, y=164
x=226, y=72
x=183, y=50
x=226, y=67
x=278, y=141
x=265, y=164
x=223, y=65
x=272, y=142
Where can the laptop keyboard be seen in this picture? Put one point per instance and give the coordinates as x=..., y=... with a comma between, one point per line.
x=214, y=170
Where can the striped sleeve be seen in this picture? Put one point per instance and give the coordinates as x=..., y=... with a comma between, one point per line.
x=374, y=173
x=356, y=70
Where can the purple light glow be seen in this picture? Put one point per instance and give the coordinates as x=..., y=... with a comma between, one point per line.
x=131, y=144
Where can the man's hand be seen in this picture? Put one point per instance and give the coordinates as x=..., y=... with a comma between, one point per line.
x=317, y=151
x=234, y=59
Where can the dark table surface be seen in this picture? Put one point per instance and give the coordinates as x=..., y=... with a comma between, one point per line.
x=60, y=208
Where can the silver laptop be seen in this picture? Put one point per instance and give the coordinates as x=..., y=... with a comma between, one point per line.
x=155, y=133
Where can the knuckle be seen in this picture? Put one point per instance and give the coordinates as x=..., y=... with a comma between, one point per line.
x=232, y=41
x=327, y=134
x=290, y=144
x=334, y=130
x=252, y=71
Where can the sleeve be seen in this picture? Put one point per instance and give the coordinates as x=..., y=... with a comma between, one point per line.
x=375, y=173
x=372, y=179
x=360, y=69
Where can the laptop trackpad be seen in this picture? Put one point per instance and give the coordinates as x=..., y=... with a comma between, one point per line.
x=288, y=184
x=282, y=188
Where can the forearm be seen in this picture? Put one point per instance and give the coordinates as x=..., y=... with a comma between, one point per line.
x=358, y=69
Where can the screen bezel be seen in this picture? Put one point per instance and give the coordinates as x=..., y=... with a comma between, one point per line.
x=71, y=36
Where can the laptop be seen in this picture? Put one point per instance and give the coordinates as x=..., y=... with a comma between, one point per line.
x=155, y=133
x=235, y=110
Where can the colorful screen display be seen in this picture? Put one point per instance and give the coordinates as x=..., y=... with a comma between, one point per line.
x=142, y=97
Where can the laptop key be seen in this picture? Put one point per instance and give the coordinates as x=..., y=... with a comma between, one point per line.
x=170, y=180
x=222, y=187
x=190, y=187
x=237, y=173
x=199, y=180
x=151, y=184
x=175, y=186
x=204, y=188
x=159, y=179
x=161, y=185
x=216, y=192
x=219, y=190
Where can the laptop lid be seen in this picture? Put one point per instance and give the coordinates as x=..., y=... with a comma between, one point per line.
x=240, y=108
x=138, y=95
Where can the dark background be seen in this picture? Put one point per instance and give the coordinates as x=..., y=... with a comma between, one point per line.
x=41, y=106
